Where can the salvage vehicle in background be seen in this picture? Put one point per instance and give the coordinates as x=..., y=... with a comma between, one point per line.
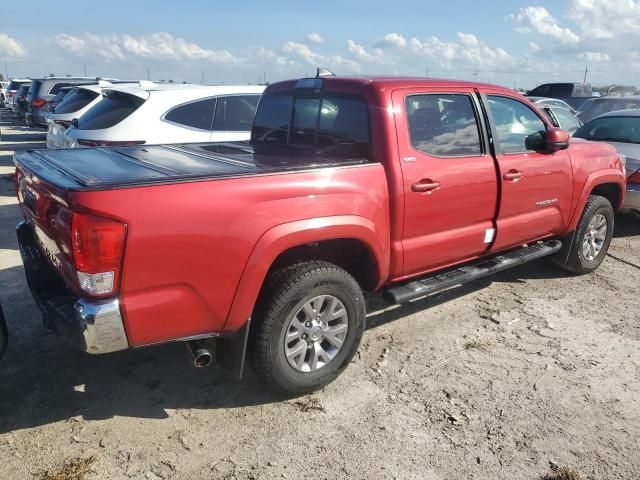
x=562, y=118
x=622, y=130
x=19, y=107
x=406, y=185
x=573, y=94
x=3, y=94
x=42, y=90
x=79, y=100
x=552, y=102
x=13, y=86
x=166, y=113
x=597, y=106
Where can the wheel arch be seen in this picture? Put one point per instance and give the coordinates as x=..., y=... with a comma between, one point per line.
x=608, y=184
x=347, y=241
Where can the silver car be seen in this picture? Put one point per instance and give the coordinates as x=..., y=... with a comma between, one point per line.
x=622, y=130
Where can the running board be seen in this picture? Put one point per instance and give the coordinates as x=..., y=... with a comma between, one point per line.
x=438, y=282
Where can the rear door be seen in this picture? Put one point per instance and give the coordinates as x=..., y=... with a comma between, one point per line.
x=449, y=176
x=536, y=186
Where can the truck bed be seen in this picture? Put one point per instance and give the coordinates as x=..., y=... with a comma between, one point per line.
x=85, y=169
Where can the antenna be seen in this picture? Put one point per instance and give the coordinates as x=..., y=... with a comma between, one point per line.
x=324, y=72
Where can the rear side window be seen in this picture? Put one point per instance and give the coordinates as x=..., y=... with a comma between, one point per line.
x=111, y=110
x=443, y=125
x=566, y=120
x=235, y=113
x=194, y=115
x=518, y=127
x=76, y=100
x=57, y=86
x=332, y=126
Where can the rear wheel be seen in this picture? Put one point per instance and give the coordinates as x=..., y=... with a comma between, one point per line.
x=308, y=325
x=592, y=237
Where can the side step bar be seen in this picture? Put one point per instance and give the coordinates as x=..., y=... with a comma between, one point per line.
x=438, y=282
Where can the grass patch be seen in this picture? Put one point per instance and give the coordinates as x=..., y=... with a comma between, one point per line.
x=562, y=473
x=74, y=469
x=477, y=344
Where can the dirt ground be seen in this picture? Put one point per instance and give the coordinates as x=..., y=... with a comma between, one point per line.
x=494, y=380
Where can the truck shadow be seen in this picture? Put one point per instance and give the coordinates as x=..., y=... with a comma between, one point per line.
x=627, y=225
x=43, y=381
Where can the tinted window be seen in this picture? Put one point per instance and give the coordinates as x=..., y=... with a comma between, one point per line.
x=109, y=111
x=566, y=120
x=443, y=125
x=272, y=119
x=518, y=127
x=15, y=85
x=195, y=114
x=57, y=86
x=235, y=113
x=332, y=126
x=75, y=100
x=612, y=129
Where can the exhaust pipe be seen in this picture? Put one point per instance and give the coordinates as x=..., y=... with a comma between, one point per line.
x=201, y=355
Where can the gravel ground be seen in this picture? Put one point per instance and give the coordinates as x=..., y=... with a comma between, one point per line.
x=493, y=380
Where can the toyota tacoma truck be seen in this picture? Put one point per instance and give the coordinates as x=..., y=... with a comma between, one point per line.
x=267, y=249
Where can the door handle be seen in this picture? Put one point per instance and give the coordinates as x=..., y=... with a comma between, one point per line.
x=513, y=175
x=426, y=185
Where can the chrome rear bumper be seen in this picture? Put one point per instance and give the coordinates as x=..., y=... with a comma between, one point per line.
x=93, y=326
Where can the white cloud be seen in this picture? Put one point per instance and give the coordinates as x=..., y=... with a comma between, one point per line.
x=361, y=53
x=606, y=18
x=160, y=46
x=315, y=38
x=534, y=47
x=392, y=40
x=10, y=47
x=539, y=20
x=595, y=57
x=468, y=51
x=308, y=56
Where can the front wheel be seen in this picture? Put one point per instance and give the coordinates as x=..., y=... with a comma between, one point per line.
x=592, y=237
x=308, y=325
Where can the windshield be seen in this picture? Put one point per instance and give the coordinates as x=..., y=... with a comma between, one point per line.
x=612, y=129
x=75, y=100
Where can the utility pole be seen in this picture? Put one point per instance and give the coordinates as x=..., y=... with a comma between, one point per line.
x=202, y=77
x=475, y=76
x=586, y=70
x=148, y=76
x=264, y=77
x=85, y=69
x=6, y=70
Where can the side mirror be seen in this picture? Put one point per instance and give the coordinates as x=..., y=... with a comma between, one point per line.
x=557, y=139
x=75, y=123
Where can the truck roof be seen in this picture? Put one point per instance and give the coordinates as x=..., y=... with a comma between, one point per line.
x=393, y=82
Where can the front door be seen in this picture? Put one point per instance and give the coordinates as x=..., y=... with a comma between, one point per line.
x=536, y=186
x=450, y=184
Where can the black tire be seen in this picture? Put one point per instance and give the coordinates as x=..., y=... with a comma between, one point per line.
x=284, y=293
x=574, y=261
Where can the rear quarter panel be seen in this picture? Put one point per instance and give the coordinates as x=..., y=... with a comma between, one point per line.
x=188, y=244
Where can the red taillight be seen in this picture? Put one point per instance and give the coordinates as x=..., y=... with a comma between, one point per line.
x=38, y=102
x=63, y=123
x=10, y=94
x=98, y=245
x=634, y=178
x=104, y=143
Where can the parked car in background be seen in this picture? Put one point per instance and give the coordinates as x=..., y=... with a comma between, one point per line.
x=622, y=130
x=13, y=86
x=43, y=90
x=51, y=104
x=553, y=102
x=166, y=113
x=562, y=118
x=19, y=107
x=78, y=100
x=572, y=93
x=3, y=93
x=598, y=106
x=268, y=245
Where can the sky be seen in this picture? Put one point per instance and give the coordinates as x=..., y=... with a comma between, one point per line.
x=512, y=43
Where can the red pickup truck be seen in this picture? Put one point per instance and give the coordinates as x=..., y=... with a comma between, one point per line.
x=265, y=248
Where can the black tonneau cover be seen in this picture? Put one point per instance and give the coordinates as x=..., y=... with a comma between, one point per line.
x=108, y=168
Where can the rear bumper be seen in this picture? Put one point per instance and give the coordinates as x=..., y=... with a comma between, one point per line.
x=632, y=197
x=92, y=326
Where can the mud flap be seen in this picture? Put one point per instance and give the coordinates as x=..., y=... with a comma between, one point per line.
x=231, y=351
